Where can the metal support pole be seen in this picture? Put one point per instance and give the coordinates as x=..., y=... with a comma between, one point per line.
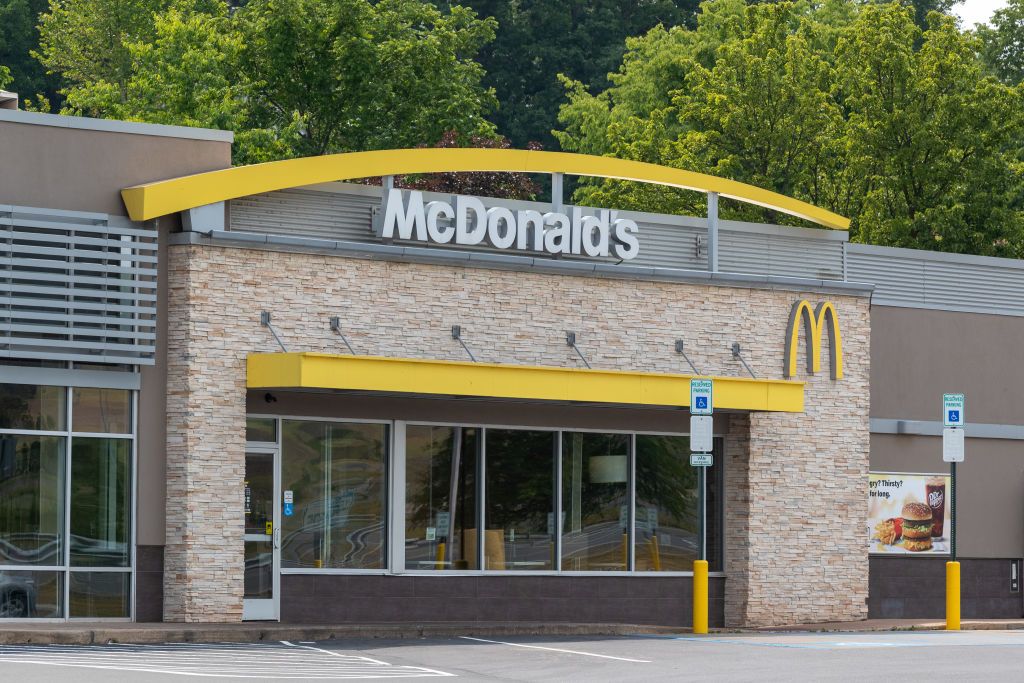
x=952, y=510
x=265, y=321
x=336, y=327
x=557, y=192
x=457, y=336
x=680, y=350
x=713, y=232
x=702, y=527
x=570, y=340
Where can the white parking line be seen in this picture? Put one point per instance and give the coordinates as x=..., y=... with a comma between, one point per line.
x=557, y=649
x=224, y=660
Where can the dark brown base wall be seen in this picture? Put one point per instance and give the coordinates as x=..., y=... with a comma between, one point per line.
x=662, y=601
x=149, y=583
x=915, y=588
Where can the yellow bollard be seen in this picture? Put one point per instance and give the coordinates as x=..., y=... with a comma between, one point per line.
x=952, y=596
x=700, y=596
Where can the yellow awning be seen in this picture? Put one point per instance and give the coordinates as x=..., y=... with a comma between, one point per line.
x=498, y=380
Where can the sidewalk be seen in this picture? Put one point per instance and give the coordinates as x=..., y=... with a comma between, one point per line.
x=88, y=633
x=896, y=625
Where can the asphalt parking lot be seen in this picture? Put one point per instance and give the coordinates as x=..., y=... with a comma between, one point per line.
x=908, y=656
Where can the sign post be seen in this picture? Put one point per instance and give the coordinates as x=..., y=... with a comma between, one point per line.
x=953, y=422
x=701, y=445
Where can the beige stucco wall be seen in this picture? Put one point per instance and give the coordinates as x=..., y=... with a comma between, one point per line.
x=787, y=558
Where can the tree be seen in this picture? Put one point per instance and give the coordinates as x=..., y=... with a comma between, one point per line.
x=290, y=77
x=539, y=39
x=19, y=36
x=187, y=74
x=1003, y=43
x=856, y=110
x=930, y=135
x=86, y=41
x=366, y=75
x=5, y=77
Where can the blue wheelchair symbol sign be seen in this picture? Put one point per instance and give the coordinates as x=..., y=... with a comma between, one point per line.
x=954, y=416
x=702, y=402
x=289, y=509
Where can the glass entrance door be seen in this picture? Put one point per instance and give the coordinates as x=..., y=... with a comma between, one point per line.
x=262, y=537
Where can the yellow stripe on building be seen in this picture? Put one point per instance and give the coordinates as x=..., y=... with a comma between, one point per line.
x=493, y=380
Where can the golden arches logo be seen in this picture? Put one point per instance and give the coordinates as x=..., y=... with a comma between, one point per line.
x=814, y=324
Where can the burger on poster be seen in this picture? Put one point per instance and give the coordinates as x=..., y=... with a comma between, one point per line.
x=917, y=527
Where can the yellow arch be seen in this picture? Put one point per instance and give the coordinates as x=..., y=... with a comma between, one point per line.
x=179, y=194
x=814, y=322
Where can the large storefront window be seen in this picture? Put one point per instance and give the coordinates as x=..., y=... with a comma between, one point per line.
x=336, y=474
x=667, y=512
x=65, y=502
x=440, y=499
x=519, y=476
x=476, y=498
x=595, y=502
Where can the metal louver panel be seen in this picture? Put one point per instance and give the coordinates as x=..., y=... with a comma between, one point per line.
x=76, y=286
x=922, y=279
x=345, y=212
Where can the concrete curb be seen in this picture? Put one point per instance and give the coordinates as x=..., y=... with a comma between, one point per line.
x=81, y=634
x=883, y=627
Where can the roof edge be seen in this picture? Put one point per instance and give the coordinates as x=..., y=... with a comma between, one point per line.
x=115, y=126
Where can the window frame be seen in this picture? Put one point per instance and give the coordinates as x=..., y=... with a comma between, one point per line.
x=65, y=569
x=395, y=504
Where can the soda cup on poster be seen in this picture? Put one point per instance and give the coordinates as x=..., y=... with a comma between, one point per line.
x=935, y=490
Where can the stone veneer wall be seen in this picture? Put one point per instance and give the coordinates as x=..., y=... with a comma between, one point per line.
x=787, y=558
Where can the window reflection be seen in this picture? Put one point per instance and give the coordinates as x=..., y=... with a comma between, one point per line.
x=667, y=511
x=100, y=485
x=27, y=406
x=336, y=475
x=101, y=411
x=31, y=500
x=440, y=497
x=27, y=595
x=595, y=502
x=520, y=482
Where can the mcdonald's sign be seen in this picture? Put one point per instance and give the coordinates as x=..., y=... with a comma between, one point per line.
x=814, y=324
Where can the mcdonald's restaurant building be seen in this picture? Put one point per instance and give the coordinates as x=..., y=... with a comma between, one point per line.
x=267, y=393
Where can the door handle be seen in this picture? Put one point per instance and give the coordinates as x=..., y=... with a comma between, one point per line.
x=277, y=538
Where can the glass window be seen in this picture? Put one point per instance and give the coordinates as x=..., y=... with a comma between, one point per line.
x=101, y=411
x=336, y=474
x=520, y=495
x=595, y=502
x=440, y=497
x=36, y=595
x=667, y=506
x=31, y=500
x=100, y=502
x=263, y=429
x=27, y=406
x=100, y=594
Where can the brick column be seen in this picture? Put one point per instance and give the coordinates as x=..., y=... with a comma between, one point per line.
x=203, y=558
x=796, y=502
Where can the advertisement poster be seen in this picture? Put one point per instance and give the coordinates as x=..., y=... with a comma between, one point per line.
x=908, y=513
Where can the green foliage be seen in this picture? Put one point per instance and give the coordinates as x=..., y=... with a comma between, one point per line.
x=852, y=108
x=5, y=77
x=290, y=77
x=539, y=39
x=18, y=37
x=364, y=75
x=1003, y=42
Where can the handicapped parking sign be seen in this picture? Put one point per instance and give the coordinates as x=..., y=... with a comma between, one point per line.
x=953, y=410
x=701, y=401
x=289, y=509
